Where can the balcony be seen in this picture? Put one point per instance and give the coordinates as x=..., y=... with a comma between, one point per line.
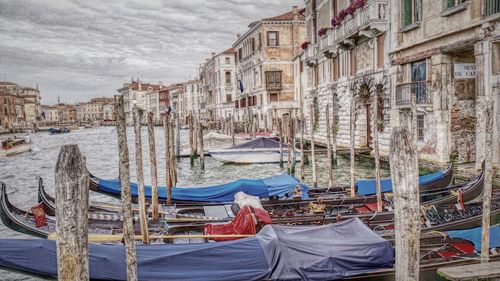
x=366, y=21
x=328, y=45
x=421, y=90
x=283, y=104
x=310, y=54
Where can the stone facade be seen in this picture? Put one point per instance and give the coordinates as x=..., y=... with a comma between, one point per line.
x=31, y=103
x=135, y=94
x=265, y=68
x=345, y=63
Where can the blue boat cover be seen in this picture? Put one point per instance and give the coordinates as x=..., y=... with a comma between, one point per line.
x=277, y=253
x=474, y=235
x=368, y=186
x=281, y=186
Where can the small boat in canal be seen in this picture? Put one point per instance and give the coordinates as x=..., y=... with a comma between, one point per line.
x=260, y=150
x=57, y=130
x=13, y=146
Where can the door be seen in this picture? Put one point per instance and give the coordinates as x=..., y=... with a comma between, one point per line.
x=418, y=78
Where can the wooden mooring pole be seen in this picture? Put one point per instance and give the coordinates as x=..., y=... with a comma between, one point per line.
x=126, y=197
x=329, y=148
x=173, y=162
x=293, y=133
x=376, y=150
x=72, y=207
x=178, y=137
x=233, y=139
x=168, y=174
x=352, y=127
x=488, y=186
x=153, y=167
x=280, y=130
x=202, y=151
x=404, y=174
x=191, y=141
x=302, y=153
x=313, y=149
x=143, y=218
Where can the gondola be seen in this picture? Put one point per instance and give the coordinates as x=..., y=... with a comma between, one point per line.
x=24, y=221
x=440, y=179
x=276, y=252
x=335, y=204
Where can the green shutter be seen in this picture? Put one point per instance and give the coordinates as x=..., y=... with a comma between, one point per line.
x=448, y=4
x=407, y=12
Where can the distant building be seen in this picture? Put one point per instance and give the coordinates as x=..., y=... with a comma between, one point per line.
x=135, y=93
x=31, y=104
x=191, y=99
x=50, y=114
x=11, y=111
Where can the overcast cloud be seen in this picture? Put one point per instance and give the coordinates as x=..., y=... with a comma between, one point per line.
x=83, y=49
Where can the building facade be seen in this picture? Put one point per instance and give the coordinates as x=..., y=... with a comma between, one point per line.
x=448, y=57
x=264, y=66
x=136, y=94
x=31, y=104
x=192, y=99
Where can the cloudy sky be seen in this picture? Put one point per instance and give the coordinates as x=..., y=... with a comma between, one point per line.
x=81, y=49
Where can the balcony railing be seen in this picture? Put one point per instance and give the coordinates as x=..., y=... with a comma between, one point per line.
x=420, y=89
x=310, y=55
x=373, y=13
x=491, y=7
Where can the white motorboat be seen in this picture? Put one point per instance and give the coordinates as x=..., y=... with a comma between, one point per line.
x=259, y=150
x=14, y=146
x=211, y=141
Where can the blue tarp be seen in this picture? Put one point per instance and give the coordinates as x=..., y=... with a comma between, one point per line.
x=281, y=186
x=368, y=187
x=474, y=235
x=277, y=253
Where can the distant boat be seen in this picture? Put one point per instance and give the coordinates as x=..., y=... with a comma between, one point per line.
x=14, y=146
x=211, y=141
x=56, y=131
x=259, y=150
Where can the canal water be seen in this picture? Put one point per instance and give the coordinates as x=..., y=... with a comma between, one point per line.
x=99, y=146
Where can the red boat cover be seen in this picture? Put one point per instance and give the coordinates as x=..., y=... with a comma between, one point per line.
x=245, y=222
x=39, y=214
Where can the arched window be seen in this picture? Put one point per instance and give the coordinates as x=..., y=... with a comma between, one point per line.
x=228, y=77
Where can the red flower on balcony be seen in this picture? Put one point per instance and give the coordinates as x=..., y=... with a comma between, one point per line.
x=322, y=31
x=305, y=45
x=342, y=14
x=360, y=4
x=335, y=22
x=351, y=9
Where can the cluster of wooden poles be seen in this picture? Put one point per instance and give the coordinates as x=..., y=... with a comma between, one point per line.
x=72, y=193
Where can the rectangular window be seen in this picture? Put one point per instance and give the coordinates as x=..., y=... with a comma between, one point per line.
x=380, y=50
x=272, y=38
x=412, y=11
x=240, y=54
x=229, y=98
x=253, y=44
x=228, y=60
x=491, y=7
x=420, y=126
x=273, y=97
x=419, y=74
x=452, y=3
x=273, y=80
x=352, y=62
x=336, y=68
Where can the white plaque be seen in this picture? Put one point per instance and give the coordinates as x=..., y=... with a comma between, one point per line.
x=465, y=71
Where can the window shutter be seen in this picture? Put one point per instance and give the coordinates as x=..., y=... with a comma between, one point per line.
x=277, y=38
x=407, y=12
x=253, y=44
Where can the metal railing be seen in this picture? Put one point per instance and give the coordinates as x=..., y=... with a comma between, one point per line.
x=420, y=89
x=491, y=7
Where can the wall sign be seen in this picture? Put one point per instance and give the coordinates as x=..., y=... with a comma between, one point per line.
x=465, y=71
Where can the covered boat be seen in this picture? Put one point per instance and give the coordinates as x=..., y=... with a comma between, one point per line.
x=277, y=253
x=14, y=146
x=279, y=186
x=57, y=130
x=258, y=150
x=211, y=141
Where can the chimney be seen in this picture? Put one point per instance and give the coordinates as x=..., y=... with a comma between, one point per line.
x=161, y=84
x=238, y=35
x=295, y=12
x=213, y=54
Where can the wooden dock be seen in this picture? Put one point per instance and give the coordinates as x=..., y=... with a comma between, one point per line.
x=477, y=271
